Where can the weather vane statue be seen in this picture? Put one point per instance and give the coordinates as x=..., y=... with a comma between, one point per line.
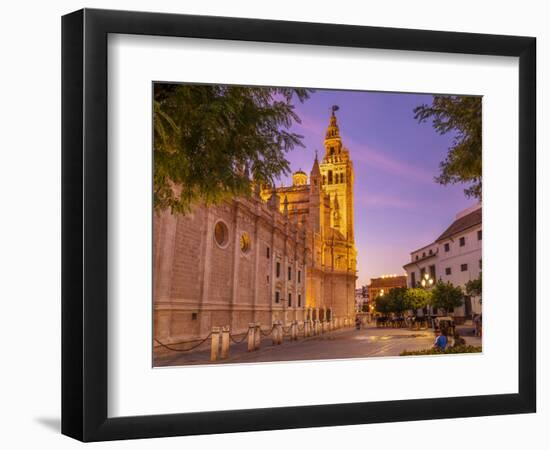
x=335, y=108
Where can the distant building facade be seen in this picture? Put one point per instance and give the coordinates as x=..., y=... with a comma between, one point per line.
x=383, y=284
x=361, y=299
x=284, y=253
x=455, y=257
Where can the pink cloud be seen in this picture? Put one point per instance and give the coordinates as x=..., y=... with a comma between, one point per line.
x=381, y=161
x=384, y=200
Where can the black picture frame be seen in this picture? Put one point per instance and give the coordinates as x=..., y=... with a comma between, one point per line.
x=84, y=224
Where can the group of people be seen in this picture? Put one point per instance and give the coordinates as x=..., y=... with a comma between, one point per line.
x=441, y=333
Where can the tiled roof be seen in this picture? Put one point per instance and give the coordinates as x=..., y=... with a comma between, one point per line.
x=420, y=259
x=465, y=222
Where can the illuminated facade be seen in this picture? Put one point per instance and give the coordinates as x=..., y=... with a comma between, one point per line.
x=284, y=253
x=324, y=206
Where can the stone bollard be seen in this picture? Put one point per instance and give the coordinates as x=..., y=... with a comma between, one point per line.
x=280, y=332
x=257, y=336
x=317, y=327
x=274, y=333
x=251, y=336
x=306, y=328
x=225, y=343
x=215, y=344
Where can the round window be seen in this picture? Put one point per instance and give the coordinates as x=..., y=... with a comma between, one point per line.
x=245, y=242
x=221, y=234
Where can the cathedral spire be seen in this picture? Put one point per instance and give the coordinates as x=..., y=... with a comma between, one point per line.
x=333, y=131
x=333, y=142
x=315, y=171
x=315, y=176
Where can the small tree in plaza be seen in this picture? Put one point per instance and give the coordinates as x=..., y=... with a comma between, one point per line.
x=417, y=298
x=383, y=305
x=397, y=298
x=473, y=287
x=446, y=296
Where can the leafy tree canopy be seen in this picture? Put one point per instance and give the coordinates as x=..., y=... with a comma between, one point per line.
x=462, y=116
x=383, y=304
x=473, y=287
x=417, y=298
x=398, y=299
x=446, y=296
x=209, y=140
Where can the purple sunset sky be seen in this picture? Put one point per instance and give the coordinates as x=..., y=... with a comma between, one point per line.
x=398, y=205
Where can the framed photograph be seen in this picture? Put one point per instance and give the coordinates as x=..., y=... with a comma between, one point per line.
x=273, y=225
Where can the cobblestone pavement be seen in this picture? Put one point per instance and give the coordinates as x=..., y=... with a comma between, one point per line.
x=343, y=343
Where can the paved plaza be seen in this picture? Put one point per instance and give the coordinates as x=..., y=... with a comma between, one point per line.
x=344, y=343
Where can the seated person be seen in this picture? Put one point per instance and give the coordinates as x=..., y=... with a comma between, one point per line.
x=440, y=340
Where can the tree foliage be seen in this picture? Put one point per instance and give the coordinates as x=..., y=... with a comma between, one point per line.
x=394, y=301
x=446, y=296
x=210, y=139
x=383, y=305
x=473, y=287
x=462, y=116
x=398, y=300
x=418, y=298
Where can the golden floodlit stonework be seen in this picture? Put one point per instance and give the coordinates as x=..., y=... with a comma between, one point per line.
x=285, y=253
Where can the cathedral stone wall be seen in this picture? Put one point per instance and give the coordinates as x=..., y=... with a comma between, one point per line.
x=229, y=283
x=281, y=254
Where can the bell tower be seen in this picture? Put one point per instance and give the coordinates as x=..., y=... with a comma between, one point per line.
x=337, y=178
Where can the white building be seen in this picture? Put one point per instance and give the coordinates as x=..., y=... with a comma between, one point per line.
x=359, y=299
x=455, y=257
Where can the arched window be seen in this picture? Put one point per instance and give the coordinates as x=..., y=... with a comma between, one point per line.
x=342, y=178
x=330, y=177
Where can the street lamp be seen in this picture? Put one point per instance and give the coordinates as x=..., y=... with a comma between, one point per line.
x=427, y=282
